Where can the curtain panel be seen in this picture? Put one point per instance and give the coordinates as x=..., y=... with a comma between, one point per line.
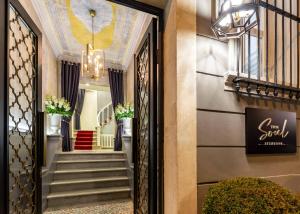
x=117, y=95
x=70, y=74
x=79, y=107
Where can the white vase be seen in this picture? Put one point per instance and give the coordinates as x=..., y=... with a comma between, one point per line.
x=54, y=122
x=126, y=126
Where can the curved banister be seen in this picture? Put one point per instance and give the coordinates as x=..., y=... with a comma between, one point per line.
x=105, y=115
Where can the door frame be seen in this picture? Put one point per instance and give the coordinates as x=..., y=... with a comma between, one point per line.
x=159, y=13
x=149, y=36
x=3, y=106
x=4, y=101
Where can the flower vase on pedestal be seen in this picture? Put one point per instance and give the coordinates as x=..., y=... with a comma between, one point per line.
x=126, y=126
x=54, y=122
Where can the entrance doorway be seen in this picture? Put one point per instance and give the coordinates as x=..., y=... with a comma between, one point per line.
x=22, y=151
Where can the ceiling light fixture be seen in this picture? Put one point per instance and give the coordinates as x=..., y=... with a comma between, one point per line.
x=92, y=59
x=235, y=17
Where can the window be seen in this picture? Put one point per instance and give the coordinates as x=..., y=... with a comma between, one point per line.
x=268, y=55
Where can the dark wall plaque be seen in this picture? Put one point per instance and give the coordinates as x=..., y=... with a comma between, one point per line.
x=269, y=131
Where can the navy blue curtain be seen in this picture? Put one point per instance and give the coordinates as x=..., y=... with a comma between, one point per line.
x=79, y=106
x=70, y=74
x=117, y=96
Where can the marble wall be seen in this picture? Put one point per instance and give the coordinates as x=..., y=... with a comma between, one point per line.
x=180, y=107
x=49, y=60
x=129, y=74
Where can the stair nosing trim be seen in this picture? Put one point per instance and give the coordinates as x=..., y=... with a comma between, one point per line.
x=77, y=194
x=89, y=161
x=91, y=153
x=68, y=182
x=89, y=170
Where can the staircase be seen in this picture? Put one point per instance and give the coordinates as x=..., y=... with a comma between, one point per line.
x=85, y=140
x=105, y=117
x=88, y=177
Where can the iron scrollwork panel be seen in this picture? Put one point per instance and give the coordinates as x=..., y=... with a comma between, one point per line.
x=143, y=66
x=22, y=115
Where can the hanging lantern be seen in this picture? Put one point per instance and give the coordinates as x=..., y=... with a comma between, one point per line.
x=235, y=17
x=92, y=60
x=93, y=63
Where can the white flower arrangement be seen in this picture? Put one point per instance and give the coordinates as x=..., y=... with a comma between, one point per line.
x=55, y=105
x=124, y=111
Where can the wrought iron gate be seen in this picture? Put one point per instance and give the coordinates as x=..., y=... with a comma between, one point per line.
x=145, y=138
x=22, y=113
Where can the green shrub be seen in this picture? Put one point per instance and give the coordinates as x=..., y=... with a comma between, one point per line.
x=249, y=196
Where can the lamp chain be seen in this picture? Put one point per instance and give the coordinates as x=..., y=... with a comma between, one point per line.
x=93, y=37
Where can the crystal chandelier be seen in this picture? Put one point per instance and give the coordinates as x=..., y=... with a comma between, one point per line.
x=235, y=17
x=92, y=60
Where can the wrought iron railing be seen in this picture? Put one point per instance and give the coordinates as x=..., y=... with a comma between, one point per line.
x=270, y=67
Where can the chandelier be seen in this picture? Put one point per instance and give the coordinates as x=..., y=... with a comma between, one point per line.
x=92, y=60
x=235, y=18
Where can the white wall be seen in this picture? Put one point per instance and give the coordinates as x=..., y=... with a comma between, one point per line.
x=89, y=111
x=104, y=98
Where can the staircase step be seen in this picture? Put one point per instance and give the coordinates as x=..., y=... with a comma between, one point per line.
x=89, y=155
x=86, y=138
x=86, y=135
x=86, y=164
x=83, y=147
x=84, y=131
x=82, y=142
x=94, y=142
x=87, y=196
x=88, y=183
x=89, y=173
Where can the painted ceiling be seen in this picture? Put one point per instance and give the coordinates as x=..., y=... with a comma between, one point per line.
x=68, y=26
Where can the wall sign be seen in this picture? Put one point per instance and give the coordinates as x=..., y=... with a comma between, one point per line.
x=269, y=132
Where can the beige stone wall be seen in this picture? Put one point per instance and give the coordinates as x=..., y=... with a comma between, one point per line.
x=221, y=122
x=129, y=75
x=49, y=61
x=129, y=82
x=180, y=107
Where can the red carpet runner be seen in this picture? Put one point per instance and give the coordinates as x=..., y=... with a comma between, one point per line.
x=84, y=140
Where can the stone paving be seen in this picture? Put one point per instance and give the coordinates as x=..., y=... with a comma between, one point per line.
x=115, y=207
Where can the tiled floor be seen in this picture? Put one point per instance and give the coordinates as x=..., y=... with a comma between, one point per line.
x=115, y=207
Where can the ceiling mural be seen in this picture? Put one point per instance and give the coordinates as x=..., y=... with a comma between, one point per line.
x=115, y=27
x=81, y=23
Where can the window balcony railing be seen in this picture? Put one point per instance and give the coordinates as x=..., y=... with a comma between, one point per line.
x=267, y=60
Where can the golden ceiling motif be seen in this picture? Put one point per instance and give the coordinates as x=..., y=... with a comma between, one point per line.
x=103, y=38
x=68, y=24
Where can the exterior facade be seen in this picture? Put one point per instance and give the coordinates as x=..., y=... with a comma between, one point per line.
x=202, y=129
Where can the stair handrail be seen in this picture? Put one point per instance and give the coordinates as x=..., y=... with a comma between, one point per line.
x=102, y=118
